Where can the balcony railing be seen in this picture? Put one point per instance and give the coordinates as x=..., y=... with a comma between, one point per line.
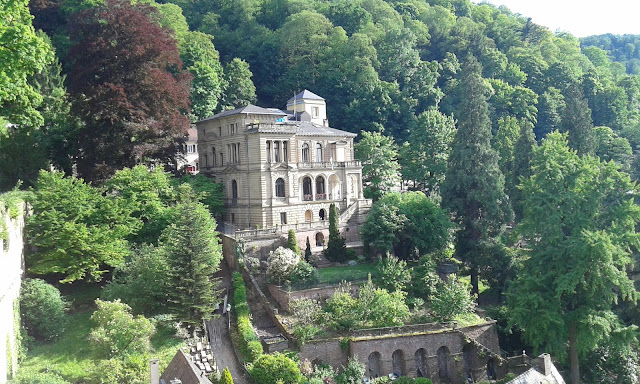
x=307, y=198
x=328, y=164
x=321, y=196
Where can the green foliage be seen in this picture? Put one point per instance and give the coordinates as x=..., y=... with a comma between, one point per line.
x=141, y=281
x=611, y=364
x=576, y=121
x=380, y=168
x=250, y=346
x=209, y=193
x=274, y=368
x=474, y=185
x=116, y=333
x=42, y=309
x=226, y=378
x=406, y=224
x=307, y=313
x=451, y=299
x=77, y=230
x=307, y=251
x=424, y=277
x=579, y=222
x=239, y=89
x=424, y=155
x=22, y=53
x=373, y=307
x=131, y=368
x=336, y=246
x=393, y=273
x=31, y=377
x=304, y=274
x=194, y=254
x=352, y=373
x=292, y=241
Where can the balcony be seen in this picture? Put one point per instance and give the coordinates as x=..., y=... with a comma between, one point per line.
x=321, y=196
x=307, y=198
x=328, y=164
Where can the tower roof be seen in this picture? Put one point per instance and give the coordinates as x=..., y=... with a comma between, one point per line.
x=306, y=94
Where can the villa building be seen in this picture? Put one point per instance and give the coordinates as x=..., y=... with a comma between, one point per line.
x=282, y=168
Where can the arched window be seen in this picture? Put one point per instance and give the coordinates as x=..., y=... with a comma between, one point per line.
x=320, y=191
x=397, y=361
x=319, y=239
x=280, y=187
x=234, y=192
x=422, y=369
x=375, y=364
x=307, y=194
x=213, y=158
x=323, y=214
x=308, y=216
x=318, y=153
x=276, y=151
x=305, y=153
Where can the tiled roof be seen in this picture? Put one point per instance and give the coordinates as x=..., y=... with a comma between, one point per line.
x=305, y=95
x=303, y=128
x=532, y=376
x=248, y=109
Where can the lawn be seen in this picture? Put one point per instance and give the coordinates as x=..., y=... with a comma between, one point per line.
x=333, y=275
x=71, y=356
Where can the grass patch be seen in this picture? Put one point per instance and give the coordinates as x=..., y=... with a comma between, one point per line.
x=72, y=357
x=333, y=275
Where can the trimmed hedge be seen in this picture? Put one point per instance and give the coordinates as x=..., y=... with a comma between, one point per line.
x=250, y=346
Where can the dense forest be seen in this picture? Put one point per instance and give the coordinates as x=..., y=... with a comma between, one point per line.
x=497, y=119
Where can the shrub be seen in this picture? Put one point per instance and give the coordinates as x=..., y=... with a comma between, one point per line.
x=336, y=247
x=292, y=242
x=42, y=309
x=353, y=373
x=131, y=369
x=226, y=378
x=307, y=251
x=281, y=264
x=29, y=377
x=271, y=369
x=304, y=274
x=451, y=299
x=117, y=333
x=252, y=264
x=250, y=346
x=394, y=274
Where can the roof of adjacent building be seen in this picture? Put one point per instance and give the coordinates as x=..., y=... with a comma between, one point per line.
x=253, y=109
x=302, y=128
x=182, y=368
x=192, y=134
x=306, y=94
x=534, y=376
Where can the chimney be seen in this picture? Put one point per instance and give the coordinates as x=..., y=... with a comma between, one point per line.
x=155, y=371
x=544, y=364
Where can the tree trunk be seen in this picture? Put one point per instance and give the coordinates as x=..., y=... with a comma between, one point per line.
x=573, y=355
x=474, y=280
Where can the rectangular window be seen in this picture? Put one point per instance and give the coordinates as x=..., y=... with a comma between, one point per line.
x=283, y=217
x=268, y=151
x=233, y=218
x=219, y=131
x=315, y=111
x=276, y=151
x=285, y=152
x=221, y=159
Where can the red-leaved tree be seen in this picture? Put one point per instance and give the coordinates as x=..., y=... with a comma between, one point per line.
x=128, y=88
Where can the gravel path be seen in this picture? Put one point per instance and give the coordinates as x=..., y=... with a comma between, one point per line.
x=221, y=346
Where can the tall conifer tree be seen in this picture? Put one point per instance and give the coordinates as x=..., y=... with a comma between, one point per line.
x=576, y=120
x=474, y=186
x=194, y=256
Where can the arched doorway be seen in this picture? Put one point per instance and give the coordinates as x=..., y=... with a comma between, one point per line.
x=466, y=359
x=307, y=193
x=321, y=193
x=374, y=365
x=319, y=239
x=334, y=187
x=443, y=364
x=323, y=214
x=491, y=369
x=308, y=216
x=422, y=369
x=397, y=360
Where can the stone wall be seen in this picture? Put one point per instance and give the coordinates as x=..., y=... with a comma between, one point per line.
x=441, y=353
x=11, y=270
x=283, y=297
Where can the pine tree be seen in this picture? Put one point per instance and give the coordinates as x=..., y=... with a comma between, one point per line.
x=307, y=252
x=194, y=255
x=474, y=186
x=576, y=120
x=292, y=242
x=336, y=247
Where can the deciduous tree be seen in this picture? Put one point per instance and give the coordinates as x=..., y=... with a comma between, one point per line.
x=380, y=167
x=128, y=86
x=579, y=222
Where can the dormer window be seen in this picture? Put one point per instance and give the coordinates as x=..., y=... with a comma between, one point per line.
x=315, y=111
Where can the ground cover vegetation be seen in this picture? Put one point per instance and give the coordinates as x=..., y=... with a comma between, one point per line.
x=449, y=96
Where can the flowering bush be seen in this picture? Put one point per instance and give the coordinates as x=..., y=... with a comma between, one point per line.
x=281, y=263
